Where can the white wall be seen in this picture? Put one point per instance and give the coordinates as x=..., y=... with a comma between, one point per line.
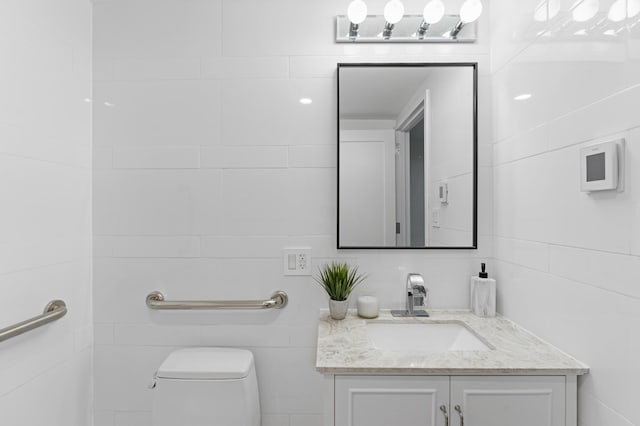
x=207, y=166
x=568, y=263
x=451, y=158
x=45, y=219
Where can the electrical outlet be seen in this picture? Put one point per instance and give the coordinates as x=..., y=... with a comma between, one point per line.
x=297, y=260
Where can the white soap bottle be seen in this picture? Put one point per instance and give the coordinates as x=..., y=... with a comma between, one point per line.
x=483, y=294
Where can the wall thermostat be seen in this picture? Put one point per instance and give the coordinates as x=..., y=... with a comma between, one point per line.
x=443, y=192
x=601, y=166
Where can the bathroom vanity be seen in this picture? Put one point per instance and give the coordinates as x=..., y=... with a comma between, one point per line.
x=445, y=370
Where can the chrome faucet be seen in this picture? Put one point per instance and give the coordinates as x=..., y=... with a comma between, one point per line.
x=417, y=296
x=416, y=293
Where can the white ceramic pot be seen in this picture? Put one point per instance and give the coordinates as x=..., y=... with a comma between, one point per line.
x=338, y=308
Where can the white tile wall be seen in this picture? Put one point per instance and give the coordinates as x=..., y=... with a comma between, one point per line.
x=567, y=262
x=45, y=219
x=207, y=166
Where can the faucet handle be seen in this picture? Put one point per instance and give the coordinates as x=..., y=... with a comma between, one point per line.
x=420, y=296
x=419, y=290
x=426, y=297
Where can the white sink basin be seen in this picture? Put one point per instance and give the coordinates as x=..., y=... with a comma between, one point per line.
x=424, y=337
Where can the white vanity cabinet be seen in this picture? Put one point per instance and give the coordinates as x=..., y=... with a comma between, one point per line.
x=373, y=400
x=517, y=380
x=508, y=400
x=390, y=400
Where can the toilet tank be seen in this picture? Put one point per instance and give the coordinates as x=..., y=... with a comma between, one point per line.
x=207, y=387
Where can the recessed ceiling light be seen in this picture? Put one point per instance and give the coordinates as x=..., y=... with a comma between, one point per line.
x=523, y=97
x=306, y=101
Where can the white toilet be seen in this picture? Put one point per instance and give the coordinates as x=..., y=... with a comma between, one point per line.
x=207, y=387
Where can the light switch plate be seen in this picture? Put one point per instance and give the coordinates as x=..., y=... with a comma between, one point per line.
x=296, y=261
x=435, y=218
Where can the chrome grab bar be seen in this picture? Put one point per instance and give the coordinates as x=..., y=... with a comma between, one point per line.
x=54, y=310
x=155, y=300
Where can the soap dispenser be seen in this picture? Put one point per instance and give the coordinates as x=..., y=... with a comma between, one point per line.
x=483, y=294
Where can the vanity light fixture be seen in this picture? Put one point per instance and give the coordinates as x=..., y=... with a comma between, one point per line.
x=357, y=13
x=432, y=14
x=433, y=25
x=470, y=11
x=584, y=10
x=393, y=13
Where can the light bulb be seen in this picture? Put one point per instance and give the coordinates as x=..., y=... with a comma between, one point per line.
x=357, y=11
x=623, y=9
x=470, y=11
x=433, y=12
x=546, y=10
x=393, y=11
x=586, y=10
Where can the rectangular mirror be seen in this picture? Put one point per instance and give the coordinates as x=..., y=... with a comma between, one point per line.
x=407, y=156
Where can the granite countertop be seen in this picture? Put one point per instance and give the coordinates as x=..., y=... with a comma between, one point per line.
x=344, y=347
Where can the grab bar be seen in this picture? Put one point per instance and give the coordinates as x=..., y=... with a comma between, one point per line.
x=54, y=310
x=155, y=300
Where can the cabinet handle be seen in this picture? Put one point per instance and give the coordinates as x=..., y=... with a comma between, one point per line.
x=446, y=416
x=459, y=410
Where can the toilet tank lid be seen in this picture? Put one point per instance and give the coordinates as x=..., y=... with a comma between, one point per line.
x=206, y=364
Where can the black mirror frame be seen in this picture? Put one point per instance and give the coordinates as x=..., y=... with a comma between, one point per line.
x=474, y=65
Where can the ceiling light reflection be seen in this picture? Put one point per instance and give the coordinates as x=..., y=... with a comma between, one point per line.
x=523, y=97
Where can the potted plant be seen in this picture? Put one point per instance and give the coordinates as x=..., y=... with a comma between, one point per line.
x=338, y=280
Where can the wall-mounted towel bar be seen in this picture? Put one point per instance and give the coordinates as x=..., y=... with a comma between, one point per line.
x=54, y=310
x=155, y=300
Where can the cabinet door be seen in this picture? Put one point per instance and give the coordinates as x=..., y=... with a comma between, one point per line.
x=390, y=400
x=508, y=401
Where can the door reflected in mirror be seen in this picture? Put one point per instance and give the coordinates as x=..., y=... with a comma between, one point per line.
x=407, y=155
